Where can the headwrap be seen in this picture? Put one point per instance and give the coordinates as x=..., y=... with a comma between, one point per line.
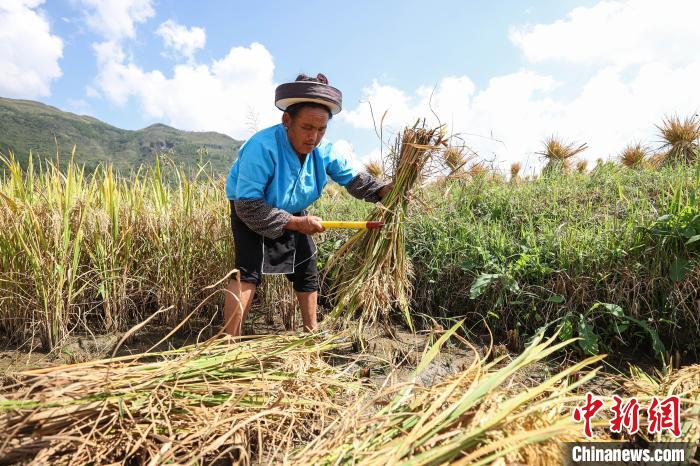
x=308, y=91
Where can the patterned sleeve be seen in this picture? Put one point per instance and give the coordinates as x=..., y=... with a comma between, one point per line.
x=366, y=187
x=261, y=217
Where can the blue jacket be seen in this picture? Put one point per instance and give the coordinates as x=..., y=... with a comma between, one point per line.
x=268, y=168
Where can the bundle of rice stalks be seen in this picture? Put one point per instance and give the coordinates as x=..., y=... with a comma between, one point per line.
x=257, y=398
x=515, y=171
x=680, y=138
x=478, y=170
x=634, y=156
x=480, y=415
x=370, y=274
x=558, y=154
x=374, y=169
x=657, y=160
x=455, y=160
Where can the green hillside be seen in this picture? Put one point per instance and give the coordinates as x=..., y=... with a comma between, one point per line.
x=27, y=125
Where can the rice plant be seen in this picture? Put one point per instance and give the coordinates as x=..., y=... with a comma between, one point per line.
x=455, y=160
x=478, y=170
x=101, y=252
x=44, y=242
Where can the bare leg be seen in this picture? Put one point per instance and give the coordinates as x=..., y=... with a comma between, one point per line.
x=308, y=303
x=237, y=301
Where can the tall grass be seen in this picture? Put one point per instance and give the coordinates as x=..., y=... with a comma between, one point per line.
x=523, y=255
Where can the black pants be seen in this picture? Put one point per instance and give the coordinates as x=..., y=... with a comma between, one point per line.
x=292, y=255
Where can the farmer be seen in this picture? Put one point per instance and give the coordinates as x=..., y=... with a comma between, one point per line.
x=280, y=171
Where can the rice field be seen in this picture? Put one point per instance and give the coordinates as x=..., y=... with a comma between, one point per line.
x=551, y=288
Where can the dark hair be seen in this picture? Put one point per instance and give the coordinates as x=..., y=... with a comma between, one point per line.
x=295, y=108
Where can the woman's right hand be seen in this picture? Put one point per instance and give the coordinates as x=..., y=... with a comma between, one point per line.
x=308, y=224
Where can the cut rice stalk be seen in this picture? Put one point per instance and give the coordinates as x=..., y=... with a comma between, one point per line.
x=474, y=418
x=257, y=398
x=371, y=274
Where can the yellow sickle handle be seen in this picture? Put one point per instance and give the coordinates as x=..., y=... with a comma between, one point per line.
x=354, y=225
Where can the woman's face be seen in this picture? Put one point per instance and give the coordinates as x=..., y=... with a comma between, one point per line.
x=306, y=129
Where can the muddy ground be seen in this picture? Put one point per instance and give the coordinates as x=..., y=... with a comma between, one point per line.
x=395, y=355
x=385, y=358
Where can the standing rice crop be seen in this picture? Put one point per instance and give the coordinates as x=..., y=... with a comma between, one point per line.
x=256, y=398
x=42, y=247
x=371, y=274
x=93, y=252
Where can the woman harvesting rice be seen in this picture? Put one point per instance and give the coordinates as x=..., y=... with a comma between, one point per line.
x=280, y=171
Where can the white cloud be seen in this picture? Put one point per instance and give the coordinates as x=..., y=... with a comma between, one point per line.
x=646, y=66
x=449, y=98
x=181, y=40
x=616, y=33
x=346, y=149
x=29, y=53
x=116, y=19
x=216, y=97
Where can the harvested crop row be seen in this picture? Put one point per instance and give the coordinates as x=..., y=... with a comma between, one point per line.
x=257, y=398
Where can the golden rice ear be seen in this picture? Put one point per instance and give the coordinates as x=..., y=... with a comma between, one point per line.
x=582, y=166
x=680, y=138
x=375, y=169
x=634, y=155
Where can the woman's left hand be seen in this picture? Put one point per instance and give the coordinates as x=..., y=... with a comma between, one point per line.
x=383, y=191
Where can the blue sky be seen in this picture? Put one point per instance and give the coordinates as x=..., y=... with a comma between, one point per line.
x=504, y=75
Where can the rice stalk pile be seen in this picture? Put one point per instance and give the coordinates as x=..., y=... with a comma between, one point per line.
x=370, y=274
x=255, y=398
x=480, y=415
x=684, y=383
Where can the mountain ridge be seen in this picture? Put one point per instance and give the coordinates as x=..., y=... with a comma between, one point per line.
x=27, y=125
